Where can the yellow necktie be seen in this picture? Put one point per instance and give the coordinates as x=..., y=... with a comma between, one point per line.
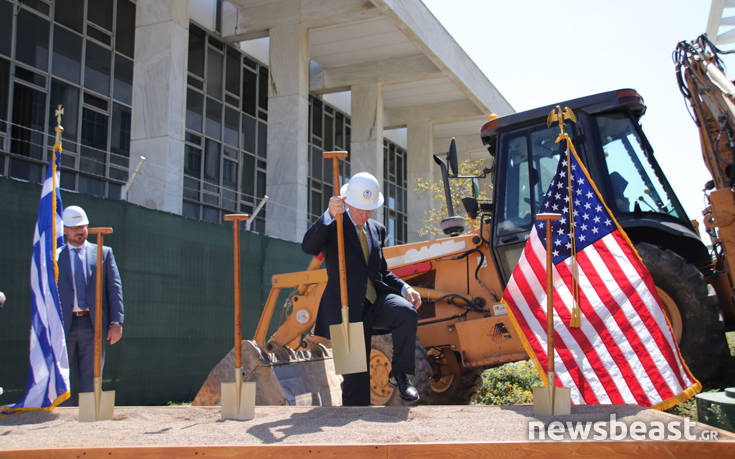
x=370, y=293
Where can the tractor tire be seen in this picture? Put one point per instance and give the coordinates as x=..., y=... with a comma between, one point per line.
x=458, y=389
x=691, y=311
x=381, y=355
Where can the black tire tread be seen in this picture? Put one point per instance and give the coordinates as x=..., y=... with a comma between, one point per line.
x=420, y=379
x=701, y=341
x=463, y=387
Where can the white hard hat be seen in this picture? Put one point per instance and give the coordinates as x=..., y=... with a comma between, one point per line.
x=363, y=192
x=75, y=216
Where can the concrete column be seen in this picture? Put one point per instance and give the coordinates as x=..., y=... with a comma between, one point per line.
x=288, y=124
x=366, y=145
x=159, y=103
x=420, y=146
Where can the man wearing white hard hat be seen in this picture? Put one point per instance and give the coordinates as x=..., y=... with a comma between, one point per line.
x=77, y=290
x=379, y=299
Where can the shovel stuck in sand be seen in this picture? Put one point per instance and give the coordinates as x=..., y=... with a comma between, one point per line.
x=238, y=398
x=348, y=338
x=98, y=405
x=550, y=400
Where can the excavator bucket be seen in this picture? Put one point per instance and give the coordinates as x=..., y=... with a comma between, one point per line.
x=289, y=368
x=285, y=377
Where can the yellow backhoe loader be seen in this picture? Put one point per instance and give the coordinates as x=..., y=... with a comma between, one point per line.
x=463, y=326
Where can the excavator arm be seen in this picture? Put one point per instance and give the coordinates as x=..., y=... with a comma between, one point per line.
x=711, y=96
x=700, y=73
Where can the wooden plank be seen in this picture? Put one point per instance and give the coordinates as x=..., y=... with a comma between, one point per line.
x=505, y=450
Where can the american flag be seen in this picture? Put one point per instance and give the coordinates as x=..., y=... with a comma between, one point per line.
x=624, y=351
x=48, y=376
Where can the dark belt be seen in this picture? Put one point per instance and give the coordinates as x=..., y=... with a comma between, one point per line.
x=80, y=313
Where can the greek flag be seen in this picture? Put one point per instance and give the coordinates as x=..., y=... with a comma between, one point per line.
x=48, y=376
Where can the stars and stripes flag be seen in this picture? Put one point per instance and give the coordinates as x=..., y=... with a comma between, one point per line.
x=48, y=376
x=623, y=350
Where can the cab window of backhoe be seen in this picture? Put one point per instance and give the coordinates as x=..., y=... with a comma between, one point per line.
x=633, y=178
x=526, y=176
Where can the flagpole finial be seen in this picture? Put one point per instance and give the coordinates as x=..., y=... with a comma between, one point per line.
x=557, y=115
x=59, y=112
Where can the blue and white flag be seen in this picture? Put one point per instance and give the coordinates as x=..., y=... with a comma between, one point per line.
x=48, y=376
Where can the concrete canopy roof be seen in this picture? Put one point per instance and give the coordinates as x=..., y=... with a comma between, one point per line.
x=398, y=43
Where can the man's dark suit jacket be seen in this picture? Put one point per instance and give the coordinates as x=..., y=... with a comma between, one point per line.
x=112, y=300
x=323, y=238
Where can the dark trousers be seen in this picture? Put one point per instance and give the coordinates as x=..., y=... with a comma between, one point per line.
x=80, y=347
x=393, y=314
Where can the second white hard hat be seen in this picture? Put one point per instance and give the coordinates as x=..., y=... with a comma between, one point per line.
x=75, y=216
x=363, y=192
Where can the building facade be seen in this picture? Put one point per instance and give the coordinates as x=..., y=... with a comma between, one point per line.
x=205, y=107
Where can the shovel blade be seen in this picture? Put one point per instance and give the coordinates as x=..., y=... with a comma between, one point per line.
x=243, y=411
x=348, y=348
x=542, y=401
x=90, y=412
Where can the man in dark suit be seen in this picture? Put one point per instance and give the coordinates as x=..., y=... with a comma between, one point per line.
x=376, y=297
x=77, y=287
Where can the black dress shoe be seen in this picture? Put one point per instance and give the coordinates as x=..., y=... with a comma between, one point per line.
x=407, y=391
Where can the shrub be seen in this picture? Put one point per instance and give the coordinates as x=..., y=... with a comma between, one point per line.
x=511, y=384
x=508, y=384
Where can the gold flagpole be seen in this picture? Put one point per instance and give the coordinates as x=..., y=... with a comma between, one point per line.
x=57, y=148
x=558, y=115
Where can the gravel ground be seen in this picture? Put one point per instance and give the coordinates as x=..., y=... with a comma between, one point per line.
x=186, y=425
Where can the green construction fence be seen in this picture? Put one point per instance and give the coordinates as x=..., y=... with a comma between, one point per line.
x=177, y=279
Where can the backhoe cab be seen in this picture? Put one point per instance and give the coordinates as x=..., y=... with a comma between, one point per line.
x=611, y=143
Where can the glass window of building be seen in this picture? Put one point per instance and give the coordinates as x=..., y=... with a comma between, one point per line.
x=226, y=133
x=329, y=130
x=69, y=53
x=4, y=97
x=323, y=124
x=32, y=39
x=394, y=191
x=6, y=27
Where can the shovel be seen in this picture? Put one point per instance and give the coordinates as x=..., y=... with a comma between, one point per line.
x=97, y=405
x=550, y=400
x=348, y=338
x=238, y=398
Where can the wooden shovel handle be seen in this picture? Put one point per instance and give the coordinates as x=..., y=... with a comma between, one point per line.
x=100, y=231
x=548, y=218
x=335, y=155
x=236, y=219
